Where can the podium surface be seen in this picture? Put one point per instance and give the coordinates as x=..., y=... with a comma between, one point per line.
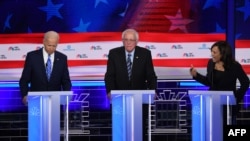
x=44, y=115
x=207, y=113
x=127, y=114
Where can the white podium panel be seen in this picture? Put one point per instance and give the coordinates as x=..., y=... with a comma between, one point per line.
x=127, y=114
x=44, y=115
x=207, y=113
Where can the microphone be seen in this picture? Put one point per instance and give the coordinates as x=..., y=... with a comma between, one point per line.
x=212, y=75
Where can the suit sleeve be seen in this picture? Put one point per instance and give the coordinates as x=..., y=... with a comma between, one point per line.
x=25, y=77
x=151, y=76
x=206, y=79
x=110, y=73
x=66, y=82
x=244, y=83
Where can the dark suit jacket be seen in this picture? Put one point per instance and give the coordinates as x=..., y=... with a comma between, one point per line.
x=227, y=82
x=34, y=74
x=143, y=74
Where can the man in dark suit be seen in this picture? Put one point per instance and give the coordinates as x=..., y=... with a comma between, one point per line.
x=143, y=75
x=34, y=72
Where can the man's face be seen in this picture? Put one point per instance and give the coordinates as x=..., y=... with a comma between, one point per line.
x=129, y=41
x=50, y=45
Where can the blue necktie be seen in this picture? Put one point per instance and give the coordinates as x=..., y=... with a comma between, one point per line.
x=129, y=66
x=48, y=67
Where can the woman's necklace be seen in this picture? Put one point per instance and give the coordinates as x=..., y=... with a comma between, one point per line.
x=219, y=67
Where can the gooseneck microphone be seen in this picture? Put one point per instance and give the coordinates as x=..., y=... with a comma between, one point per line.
x=212, y=75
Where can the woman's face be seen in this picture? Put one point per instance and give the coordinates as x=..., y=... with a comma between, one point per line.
x=215, y=53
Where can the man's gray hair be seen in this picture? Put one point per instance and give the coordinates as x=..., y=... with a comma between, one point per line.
x=131, y=31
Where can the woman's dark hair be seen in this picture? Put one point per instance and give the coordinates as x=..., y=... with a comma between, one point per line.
x=226, y=53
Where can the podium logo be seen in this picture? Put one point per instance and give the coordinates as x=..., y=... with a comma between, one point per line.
x=161, y=55
x=245, y=60
x=237, y=132
x=81, y=56
x=204, y=46
x=2, y=56
x=150, y=47
x=95, y=48
x=68, y=48
x=35, y=111
x=105, y=55
x=176, y=47
x=13, y=48
x=38, y=47
x=188, y=54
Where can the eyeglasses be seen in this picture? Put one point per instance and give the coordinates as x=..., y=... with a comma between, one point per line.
x=128, y=40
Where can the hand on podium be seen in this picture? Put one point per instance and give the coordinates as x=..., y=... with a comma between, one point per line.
x=109, y=96
x=24, y=100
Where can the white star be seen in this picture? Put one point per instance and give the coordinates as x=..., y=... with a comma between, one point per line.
x=178, y=22
x=98, y=1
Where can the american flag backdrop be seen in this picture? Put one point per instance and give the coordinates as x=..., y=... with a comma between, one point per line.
x=172, y=16
x=167, y=27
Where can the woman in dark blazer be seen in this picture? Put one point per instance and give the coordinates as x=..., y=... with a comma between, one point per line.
x=223, y=71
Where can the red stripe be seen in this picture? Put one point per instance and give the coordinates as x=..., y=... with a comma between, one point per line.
x=20, y=38
x=246, y=68
x=178, y=63
x=73, y=63
x=242, y=43
x=157, y=62
x=11, y=64
x=110, y=36
x=163, y=37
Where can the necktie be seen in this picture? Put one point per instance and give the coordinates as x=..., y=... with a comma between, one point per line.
x=129, y=66
x=48, y=67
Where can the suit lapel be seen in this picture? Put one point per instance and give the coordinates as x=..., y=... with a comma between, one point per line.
x=55, y=63
x=135, y=59
x=123, y=58
x=121, y=55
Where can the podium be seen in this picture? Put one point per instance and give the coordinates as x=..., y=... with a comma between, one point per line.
x=44, y=115
x=127, y=114
x=207, y=113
